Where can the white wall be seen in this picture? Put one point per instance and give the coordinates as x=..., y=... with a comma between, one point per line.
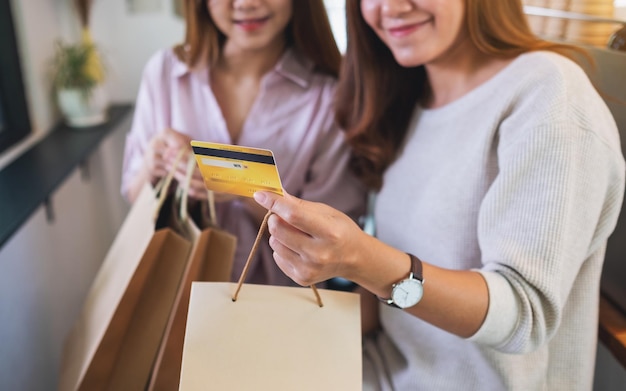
x=127, y=41
x=337, y=17
x=47, y=267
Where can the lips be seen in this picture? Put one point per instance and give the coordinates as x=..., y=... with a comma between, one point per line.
x=251, y=24
x=404, y=30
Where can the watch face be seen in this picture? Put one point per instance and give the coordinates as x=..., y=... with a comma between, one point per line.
x=407, y=293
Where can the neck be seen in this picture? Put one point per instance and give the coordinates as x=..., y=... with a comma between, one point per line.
x=462, y=70
x=249, y=63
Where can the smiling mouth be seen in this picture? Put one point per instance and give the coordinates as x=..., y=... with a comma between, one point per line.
x=251, y=24
x=405, y=30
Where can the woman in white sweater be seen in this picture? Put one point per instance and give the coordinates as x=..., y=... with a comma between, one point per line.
x=499, y=176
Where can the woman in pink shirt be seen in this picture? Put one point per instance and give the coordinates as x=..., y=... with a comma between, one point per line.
x=254, y=73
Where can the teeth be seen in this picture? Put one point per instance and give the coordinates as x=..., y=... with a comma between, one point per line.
x=257, y=20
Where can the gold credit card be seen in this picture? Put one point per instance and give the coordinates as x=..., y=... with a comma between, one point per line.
x=235, y=169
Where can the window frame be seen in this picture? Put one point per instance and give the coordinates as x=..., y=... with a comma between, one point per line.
x=15, y=124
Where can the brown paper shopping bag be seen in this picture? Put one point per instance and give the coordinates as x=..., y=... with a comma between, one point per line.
x=114, y=341
x=211, y=259
x=271, y=338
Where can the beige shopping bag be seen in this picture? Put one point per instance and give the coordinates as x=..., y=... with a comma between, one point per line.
x=211, y=259
x=114, y=341
x=261, y=337
x=271, y=338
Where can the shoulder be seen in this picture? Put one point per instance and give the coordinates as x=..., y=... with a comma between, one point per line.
x=555, y=86
x=163, y=62
x=547, y=60
x=549, y=73
x=548, y=89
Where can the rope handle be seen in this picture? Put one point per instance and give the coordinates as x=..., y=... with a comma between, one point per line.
x=251, y=255
x=164, y=184
x=182, y=194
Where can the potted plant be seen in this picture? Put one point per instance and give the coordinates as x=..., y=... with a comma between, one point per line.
x=77, y=77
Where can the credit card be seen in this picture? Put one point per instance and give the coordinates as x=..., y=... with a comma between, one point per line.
x=235, y=169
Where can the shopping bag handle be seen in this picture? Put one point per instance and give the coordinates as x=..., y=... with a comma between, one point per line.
x=163, y=185
x=183, y=213
x=251, y=255
x=184, y=194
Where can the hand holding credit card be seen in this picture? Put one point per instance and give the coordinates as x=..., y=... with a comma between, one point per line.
x=236, y=169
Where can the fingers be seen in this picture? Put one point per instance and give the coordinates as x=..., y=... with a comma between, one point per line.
x=296, y=252
x=315, y=240
x=309, y=217
x=176, y=140
x=284, y=241
x=168, y=143
x=283, y=206
x=286, y=260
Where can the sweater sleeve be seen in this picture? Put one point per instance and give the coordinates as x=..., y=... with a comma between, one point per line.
x=555, y=202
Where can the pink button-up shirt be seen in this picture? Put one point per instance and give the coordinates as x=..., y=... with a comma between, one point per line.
x=292, y=116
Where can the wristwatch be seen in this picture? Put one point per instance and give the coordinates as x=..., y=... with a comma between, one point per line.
x=408, y=292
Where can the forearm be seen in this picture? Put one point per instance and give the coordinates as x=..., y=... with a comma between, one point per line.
x=455, y=301
x=313, y=242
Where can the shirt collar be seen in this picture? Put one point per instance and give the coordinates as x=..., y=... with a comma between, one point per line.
x=295, y=67
x=291, y=65
x=180, y=69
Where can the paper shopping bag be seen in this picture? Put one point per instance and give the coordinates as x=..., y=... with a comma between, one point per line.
x=211, y=259
x=114, y=341
x=271, y=338
x=212, y=245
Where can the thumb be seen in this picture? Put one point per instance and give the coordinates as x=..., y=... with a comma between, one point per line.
x=289, y=208
x=285, y=206
x=269, y=200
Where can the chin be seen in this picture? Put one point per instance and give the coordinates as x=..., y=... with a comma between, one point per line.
x=408, y=62
x=408, y=58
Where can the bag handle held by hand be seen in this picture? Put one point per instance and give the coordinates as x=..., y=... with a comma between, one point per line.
x=184, y=194
x=251, y=255
x=163, y=185
x=191, y=163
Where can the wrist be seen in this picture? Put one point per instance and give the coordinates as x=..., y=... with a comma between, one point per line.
x=379, y=266
x=357, y=262
x=409, y=291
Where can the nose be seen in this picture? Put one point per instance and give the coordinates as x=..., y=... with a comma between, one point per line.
x=395, y=7
x=245, y=4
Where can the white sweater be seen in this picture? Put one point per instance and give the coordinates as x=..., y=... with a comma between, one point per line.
x=521, y=179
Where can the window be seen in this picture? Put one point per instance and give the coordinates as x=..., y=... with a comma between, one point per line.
x=14, y=120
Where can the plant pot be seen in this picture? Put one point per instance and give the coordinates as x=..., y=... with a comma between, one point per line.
x=81, y=109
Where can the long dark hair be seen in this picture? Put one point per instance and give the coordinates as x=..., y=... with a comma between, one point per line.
x=376, y=96
x=309, y=32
